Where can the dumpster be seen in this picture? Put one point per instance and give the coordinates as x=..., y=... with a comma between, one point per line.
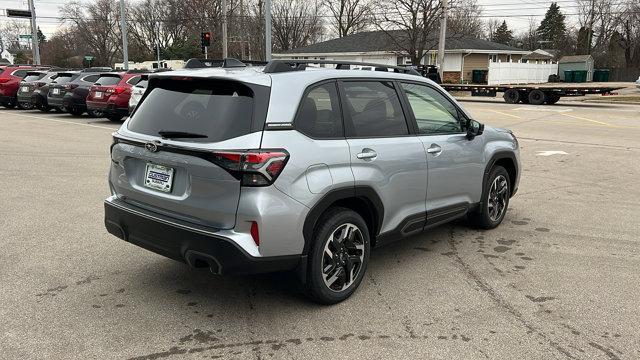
x=580, y=76
x=479, y=76
x=601, y=75
x=568, y=76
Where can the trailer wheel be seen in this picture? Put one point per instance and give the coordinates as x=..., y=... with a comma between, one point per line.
x=537, y=97
x=511, y=96
x=552, y=99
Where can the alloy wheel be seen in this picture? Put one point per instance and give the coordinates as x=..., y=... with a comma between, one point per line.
x=342, y=257
x=497, y=201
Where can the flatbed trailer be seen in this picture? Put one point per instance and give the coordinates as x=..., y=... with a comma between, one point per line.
x=535, y=94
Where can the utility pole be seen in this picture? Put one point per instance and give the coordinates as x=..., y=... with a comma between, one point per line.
x=158, y=43
x=123, y=28
x=35, y=49
x=224, y=29
x=443, y=36
x=267, y=29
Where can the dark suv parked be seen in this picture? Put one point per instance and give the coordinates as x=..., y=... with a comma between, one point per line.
x=58, y=88
x=27, y=86
x=74, y=99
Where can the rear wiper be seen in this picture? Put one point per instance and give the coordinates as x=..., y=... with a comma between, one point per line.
x=167, y=134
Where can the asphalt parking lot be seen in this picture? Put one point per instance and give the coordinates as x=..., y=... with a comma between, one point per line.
x=558, y=279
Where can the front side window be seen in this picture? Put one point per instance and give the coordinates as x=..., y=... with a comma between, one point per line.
x=374, y=109
x=434, y=113
x=319, y=115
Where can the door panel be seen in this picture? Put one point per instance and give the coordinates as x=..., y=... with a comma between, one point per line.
x=455, y=163
x=398, y=173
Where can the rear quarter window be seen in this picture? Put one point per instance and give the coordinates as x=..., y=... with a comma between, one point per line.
x=217, y=110
x=108, y=80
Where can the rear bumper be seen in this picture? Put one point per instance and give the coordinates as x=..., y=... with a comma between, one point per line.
x=184, y=243
x=70, y=99
x=54, y=101
x=28, y=98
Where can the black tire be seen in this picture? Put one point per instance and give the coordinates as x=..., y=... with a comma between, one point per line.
x=9, y=104
x=511, y=96
x=114, y=117
x=95, y=113
x=537, y=97
x=25, y=106
x=75, y=111
x=483, y=216
x=346, y=255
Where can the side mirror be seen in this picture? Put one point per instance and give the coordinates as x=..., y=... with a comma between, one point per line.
x=474, y=129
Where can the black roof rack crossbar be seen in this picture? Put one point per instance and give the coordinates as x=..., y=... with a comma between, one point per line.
x=219, y=63
x=287, y=65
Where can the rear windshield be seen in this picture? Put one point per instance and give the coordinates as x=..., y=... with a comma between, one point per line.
x=214, y=110
x=30, y=78
x=63, y=78
x=108, y=80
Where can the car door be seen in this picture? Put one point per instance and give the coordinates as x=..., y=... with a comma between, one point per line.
x=455, y=163
x=385, y=156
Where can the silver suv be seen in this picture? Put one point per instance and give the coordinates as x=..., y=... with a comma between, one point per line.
x=294, y=167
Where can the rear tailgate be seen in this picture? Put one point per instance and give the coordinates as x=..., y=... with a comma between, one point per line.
x=98, y=92
x=181, y=175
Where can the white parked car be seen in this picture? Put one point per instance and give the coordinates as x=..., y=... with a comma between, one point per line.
x=638, y=82
x=136, y=92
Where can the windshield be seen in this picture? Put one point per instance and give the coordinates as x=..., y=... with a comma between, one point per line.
x=215, y=110
x=108, y=80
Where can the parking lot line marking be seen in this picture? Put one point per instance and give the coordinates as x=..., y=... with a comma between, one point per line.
x=587, y=119
x=505, y=114
x=66, y=122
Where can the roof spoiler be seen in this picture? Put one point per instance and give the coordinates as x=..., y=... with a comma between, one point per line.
x=287, y=65
x=217, y=63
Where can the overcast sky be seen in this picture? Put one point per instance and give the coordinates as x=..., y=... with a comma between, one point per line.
x=516, y=12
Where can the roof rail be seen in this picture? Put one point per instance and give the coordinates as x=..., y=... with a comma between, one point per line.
x=206, y=63
x=287, y=65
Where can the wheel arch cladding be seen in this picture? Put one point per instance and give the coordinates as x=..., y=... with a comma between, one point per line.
x=507, y=161
x=361, y=199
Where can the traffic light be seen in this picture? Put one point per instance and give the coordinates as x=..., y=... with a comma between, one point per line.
x=205, y=38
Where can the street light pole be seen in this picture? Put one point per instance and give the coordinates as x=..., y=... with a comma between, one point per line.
x=123, y=29
x=443, y=36
x=267, y=29
x=224, y=29
x=34, y=35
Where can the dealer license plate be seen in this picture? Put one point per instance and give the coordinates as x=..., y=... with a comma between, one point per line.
x=56, y=91
x=98, y=95
x=158, y=177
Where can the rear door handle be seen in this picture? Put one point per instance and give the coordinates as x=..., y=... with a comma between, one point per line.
x=367, y=154
x=435, y=149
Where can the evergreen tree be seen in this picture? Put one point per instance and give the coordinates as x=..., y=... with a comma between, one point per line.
x=503, y=35
x=41, y=37
x=552, y=30
x=583, y=46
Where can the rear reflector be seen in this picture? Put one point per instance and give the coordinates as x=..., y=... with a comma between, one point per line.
x=255, y=234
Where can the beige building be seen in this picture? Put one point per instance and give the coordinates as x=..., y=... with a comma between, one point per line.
x=463, y=54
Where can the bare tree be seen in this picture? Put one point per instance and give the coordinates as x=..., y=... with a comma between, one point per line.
x=411, y=25
x=295, y=23
x=491, y=26
x=98, y=27
x=464, y=18
x=348, y=16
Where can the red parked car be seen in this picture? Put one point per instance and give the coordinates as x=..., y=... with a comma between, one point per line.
x=10, y=78
x=110, y=94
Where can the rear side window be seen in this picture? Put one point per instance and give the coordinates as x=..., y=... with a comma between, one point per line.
x=134, y=80
x=30, y=78
x=20, y=73
x=108, y=80
x=374, y=109
x=207, y=111
x=63, y=78
x=319, y=114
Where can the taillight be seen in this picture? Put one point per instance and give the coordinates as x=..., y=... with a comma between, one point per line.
x=70, y=86
x=4, y=80
x=255, y=233
x=253, y=167
x=116, y=90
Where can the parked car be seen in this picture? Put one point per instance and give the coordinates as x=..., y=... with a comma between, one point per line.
x=74, y=99
x=41, y=90
x=224, y=170
x=137, y=91
x=10, y=78
x=110, y=94
x=58, y=88
x=27, y=86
